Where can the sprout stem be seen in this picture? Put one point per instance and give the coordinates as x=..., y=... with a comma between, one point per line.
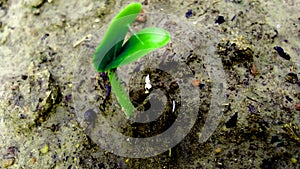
x=120, y=93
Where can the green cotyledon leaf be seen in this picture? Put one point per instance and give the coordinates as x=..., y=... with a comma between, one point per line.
x=110, y=46
x=139, y=45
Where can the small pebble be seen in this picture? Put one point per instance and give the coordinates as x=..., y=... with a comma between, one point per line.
x=201, y=86
x=141, y=17
x=220, y=20
x=218, y=150
x=36, y=11
x=7, y=162
x=281, y=53
x=254, y=70
x=252, y=109
x=68, y=97
x=297, y=106
x=189, y=13
x=45, y=149
x=33, y=160
x=24, y=77
x=36, y=3
x=294, y=160
x=196, y=83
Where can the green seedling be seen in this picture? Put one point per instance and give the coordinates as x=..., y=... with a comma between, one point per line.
x=115, y=51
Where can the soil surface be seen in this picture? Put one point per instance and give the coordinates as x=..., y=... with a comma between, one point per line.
x=235, y=65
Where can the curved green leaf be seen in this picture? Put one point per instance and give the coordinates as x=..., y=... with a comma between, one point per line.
x=110, y=46
x=142, y=43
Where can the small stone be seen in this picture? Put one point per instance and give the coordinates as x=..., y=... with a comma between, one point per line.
x=36, y=11
x=68, y=97
x=252, y=109
x=142, y=17
x=36, y=3
x=281, y=53
x=45, y=149
x=220, y=20
x=297, y=106
x=33, y=160
x=196, y=83
x=218, y=150
x=254, y=70
x=294, y=160
x=77, y=145
x=24, y=77
x=224, y=128
x=8, y=162
x=201, y=86
x=189, y=13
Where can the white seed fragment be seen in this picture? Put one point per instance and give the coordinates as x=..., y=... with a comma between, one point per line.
x=173, y=108
x=147, y=85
